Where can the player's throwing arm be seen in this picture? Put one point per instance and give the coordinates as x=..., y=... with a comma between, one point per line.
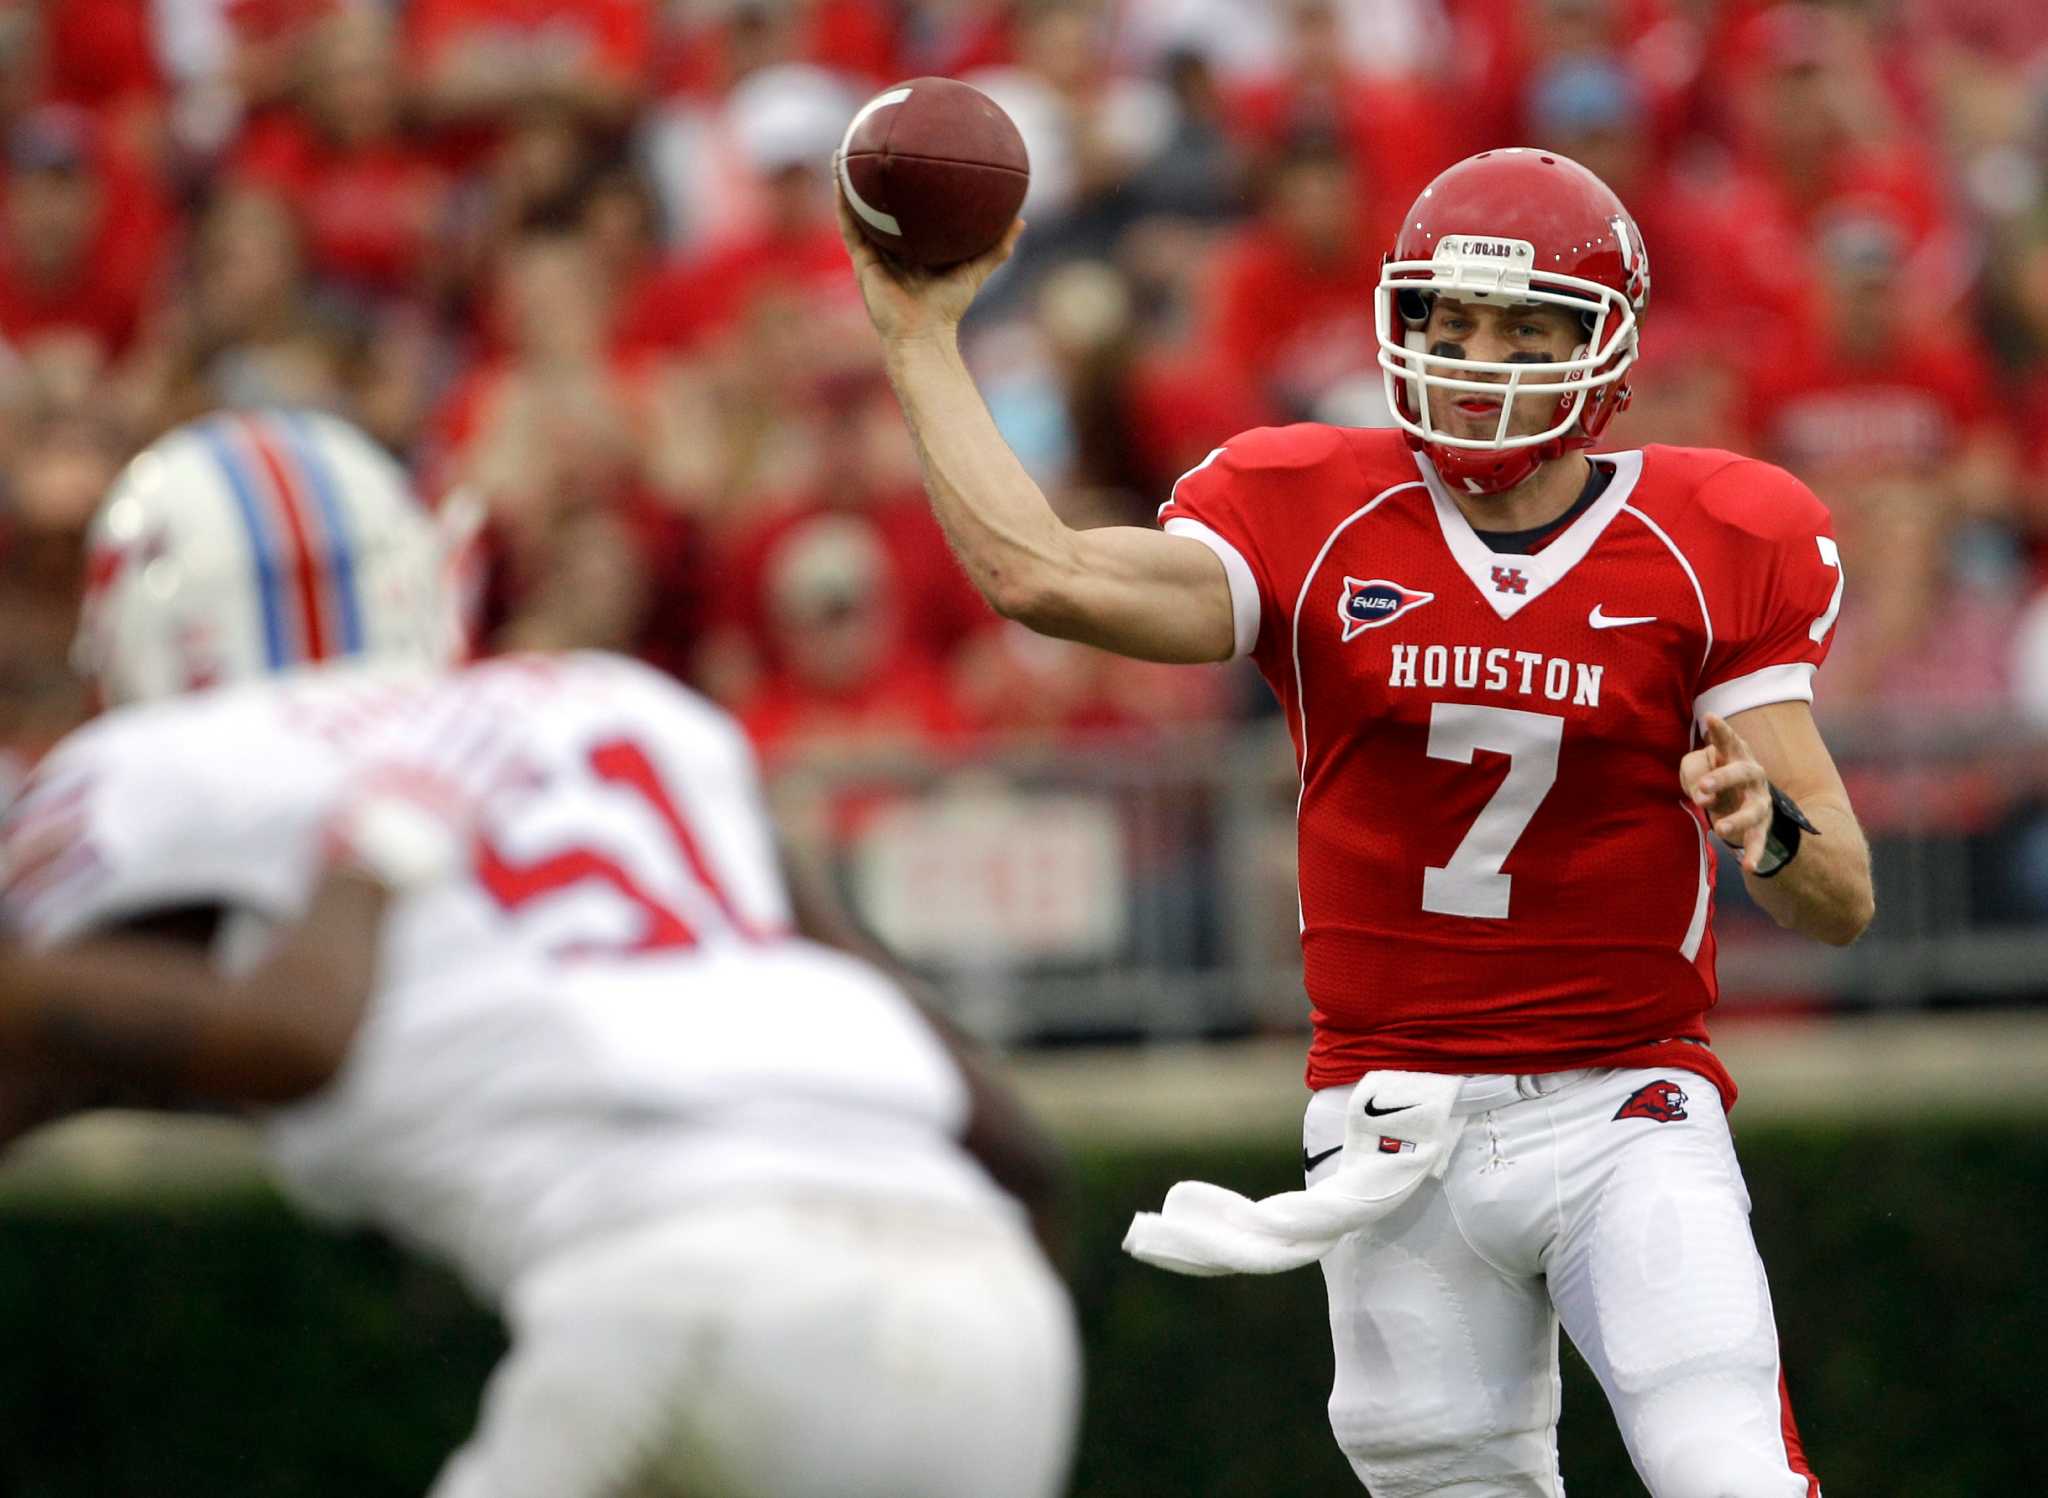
x=1137, y=592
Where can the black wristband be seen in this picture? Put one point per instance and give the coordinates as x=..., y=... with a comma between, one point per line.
x=1781, y=843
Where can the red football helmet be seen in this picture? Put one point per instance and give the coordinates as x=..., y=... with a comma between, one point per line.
x=1523, y=226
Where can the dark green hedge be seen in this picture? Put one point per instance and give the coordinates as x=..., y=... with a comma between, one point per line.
x=223, y=1350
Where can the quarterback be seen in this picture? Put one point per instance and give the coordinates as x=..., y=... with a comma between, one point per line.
x=1526, y=683
x=743, y=1205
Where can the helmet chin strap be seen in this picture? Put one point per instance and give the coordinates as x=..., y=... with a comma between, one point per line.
x=1487, y=472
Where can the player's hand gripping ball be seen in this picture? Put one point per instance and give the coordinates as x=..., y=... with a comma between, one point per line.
x=933, y=171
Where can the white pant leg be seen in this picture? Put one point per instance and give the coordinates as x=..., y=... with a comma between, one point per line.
x=1659, y=1285
x=1446, y=1366
x=865, y=1350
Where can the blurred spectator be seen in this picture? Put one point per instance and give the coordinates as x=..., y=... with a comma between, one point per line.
x=499, y=429
x=871, y=475
x=2030, y=661
x=617, y=220
x=716, y=161
x=394, y=373
x=1987, y=100
x=1875, y=385
x=1087, y=320
x=99, y=56
x=707, y=49
x=55, y=481
x=1936, y=635
x=1391, y=129
x=225, y=64
x=1688, y=387
x=1160, y=389
x=1249, y=39
x=1294, y=291
x=743, y=334
x=601, y=568
x=248, y=331
x=2020, y=318
x=370, y=199
x=81, y=238
x=1815, y=126
x=1015, y=687
x=1120, y=405
x=1592, y=110
x=548, y=437
x=1198, y=171
x=1492, y=62
x=1595, y=110
x=836, y=614
x=532, y=175
x=1088, y=129
x=485, y=61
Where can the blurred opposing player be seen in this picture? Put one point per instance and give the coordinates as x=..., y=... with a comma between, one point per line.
x=713, y=1172
x=1523, y=683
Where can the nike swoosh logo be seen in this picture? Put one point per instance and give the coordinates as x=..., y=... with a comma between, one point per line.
x=1310, y=1162
x=1372, y=1112
x=1610, y=621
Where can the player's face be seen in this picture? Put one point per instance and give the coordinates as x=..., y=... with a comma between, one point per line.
x=1490, y=334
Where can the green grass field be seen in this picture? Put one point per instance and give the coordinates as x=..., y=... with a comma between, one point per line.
x=175, y=1331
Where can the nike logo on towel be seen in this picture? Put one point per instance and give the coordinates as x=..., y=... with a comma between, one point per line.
x=1310, y=1162
x=1611, y=621
x=1372, y=1112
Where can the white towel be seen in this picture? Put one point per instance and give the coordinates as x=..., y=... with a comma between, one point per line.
x=1405, y=1140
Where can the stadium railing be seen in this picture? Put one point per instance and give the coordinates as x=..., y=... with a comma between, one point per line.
x=1144, y=888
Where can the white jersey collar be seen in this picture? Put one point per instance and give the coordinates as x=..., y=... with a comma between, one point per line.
x=1510, y=581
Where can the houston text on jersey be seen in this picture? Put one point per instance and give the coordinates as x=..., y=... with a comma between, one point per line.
x=1496, y=669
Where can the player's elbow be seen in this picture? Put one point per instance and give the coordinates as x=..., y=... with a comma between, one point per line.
x=286, y=1064
x=1019, y=596
x=1855, y=918
x=1842, y=920
x=288, y=1035
x=1034, y=595
x=293, y=1078
x=1037, y=580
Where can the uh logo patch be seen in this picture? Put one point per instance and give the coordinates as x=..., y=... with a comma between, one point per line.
x=1369, y=603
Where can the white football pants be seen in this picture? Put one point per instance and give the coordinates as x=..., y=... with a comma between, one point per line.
x=785, y=1350
x=1632, y=1231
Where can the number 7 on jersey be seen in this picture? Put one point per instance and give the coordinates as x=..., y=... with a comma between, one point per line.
x=1471, y=883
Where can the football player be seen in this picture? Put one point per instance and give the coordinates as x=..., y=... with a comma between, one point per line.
x=753, y=1218
x=1525, y=685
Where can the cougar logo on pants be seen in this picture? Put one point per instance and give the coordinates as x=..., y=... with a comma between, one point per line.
x=1660, y=1101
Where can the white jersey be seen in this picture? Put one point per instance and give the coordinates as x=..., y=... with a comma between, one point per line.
x=604, y=1016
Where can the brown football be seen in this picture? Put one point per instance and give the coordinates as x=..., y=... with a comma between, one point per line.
x=933, y=170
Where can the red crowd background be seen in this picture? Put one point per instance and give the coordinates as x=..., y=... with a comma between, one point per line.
x=578, y=256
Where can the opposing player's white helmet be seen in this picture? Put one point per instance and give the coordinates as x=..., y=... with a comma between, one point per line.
x=252, y=542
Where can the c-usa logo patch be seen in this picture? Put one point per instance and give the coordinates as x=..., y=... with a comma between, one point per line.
x=1370, y=602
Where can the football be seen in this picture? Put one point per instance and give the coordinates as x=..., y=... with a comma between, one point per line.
x=933, y=170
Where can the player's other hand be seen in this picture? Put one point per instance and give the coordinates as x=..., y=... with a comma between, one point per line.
x=907, y=303
x=1723, y=778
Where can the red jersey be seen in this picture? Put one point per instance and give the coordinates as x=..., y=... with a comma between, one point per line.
x=370, y=211
x=1498, y=870
x=1909, y=408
